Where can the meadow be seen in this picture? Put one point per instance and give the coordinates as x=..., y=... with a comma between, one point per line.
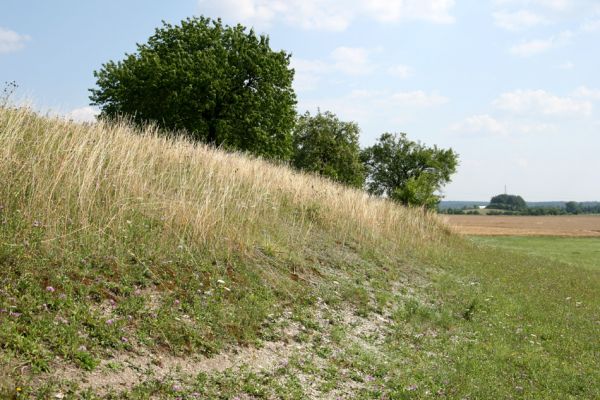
x=134, y=265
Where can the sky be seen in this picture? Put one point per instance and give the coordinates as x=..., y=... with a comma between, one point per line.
x=511, y=85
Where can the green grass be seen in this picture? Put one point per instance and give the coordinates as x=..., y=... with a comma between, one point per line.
x=582, y=252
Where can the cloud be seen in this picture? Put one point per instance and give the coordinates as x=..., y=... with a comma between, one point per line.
x=486, y=124
x=400, y=71
x=556, y=5
x=352, y=60
x=587, y=93
x=327, y=15
x=83, y=114
x=384, y=108
x=483, y=123
x=591, y=25
x=11, y=41
x=568, y=65
x=518, y=20
x=418, y=98
x=540, y=102
x=537, y=46
x=437, y=11
x=308, y=73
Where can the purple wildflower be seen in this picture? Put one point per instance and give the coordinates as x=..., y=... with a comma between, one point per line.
x=110, y=321
x=50, y=289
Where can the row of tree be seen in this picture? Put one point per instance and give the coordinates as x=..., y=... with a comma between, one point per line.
x=225, y=86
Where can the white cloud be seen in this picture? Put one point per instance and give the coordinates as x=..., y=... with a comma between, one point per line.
x=591, y=26
x=541, y=102
x=568, y=65
x=352, y=60
x=329, y=15
x=486, y=124
x=556, y=5
x=483, y=123
x=308, y=73
x=518, y=20
x=537, y=46
x=437, y=11
x=11, y=41
x=400, y=71
x=587, y=93
x=83, y=114
x=418, y=98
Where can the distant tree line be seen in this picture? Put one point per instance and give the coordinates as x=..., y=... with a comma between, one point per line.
x=224, y=86
x=505, y=204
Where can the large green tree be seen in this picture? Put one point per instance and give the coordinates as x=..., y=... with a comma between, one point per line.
x=327, y=146
x=219, y=84
x=408, y=171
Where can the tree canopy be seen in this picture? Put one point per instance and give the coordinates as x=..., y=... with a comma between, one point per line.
x=329, y=147
x=220, y=84
x=507, y=202
x=408, y=171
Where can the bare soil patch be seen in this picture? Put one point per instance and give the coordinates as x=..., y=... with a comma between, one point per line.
x=498, y=225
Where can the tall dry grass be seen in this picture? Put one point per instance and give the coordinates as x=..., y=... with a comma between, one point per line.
x=75, y=178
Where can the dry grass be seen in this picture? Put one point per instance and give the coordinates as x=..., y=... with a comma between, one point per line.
x=498, y=225
x=78, y=177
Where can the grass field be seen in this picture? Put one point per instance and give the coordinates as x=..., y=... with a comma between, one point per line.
x=500, y=225
x=582, y=252
x=137, y=266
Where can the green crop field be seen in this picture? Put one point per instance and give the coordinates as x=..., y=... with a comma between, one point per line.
x=582, y=252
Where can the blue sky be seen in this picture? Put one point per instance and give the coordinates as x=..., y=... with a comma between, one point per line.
x=512, y=86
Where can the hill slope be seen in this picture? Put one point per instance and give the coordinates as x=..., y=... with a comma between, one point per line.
x=135, y=265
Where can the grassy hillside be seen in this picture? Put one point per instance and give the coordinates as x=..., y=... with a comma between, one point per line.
x=136, y=265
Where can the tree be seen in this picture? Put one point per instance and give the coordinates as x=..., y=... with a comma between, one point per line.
x=221, y=85
x=507, y=202
x=407, y=171
x=573, y=207
x=329, y=147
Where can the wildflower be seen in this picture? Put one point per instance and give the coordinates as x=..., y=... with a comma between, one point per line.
x=110, y=321
x=14, y=314
x=124, y=340
x=50, y=289
x=176, y=302
x=18, y=389
x=221, y=282
x=176, y=388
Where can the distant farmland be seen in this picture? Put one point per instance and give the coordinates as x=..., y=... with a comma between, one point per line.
x=575, y=226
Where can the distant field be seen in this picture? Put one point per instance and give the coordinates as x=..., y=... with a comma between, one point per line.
x=497, y=225
x=577, y=251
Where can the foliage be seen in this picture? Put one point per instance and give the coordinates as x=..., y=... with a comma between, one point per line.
x=329, y=147
x=221, y=85
x=407, y=171
x=507, y=202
